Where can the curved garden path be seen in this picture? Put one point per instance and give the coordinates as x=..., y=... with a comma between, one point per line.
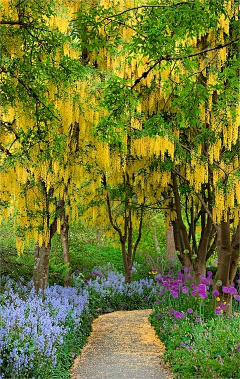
x=122, y=345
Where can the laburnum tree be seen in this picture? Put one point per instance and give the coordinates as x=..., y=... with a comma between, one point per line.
x=161, y=103
x=43, y=81
x=172, y=71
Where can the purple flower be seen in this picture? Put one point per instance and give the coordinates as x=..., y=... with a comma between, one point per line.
x=233, y=291
x=159, y=315
x=238, y=348
x=197, y=319
x=225, y=289
x=174, y=294
x=209, y=273
x=215, y=293
x=171, y=311
x=202, y=294
x=86, y=282
x=182, y=344
x=76, y=272
x=223, y=306
x=189, y=310
x=85, y=270
x=193, y=293
x=177, y=315
x=218, y=310
x=185, y=289
x=237, y=297
x=157, y=302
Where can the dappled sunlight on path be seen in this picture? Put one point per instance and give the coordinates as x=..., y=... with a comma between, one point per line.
x=122, y=345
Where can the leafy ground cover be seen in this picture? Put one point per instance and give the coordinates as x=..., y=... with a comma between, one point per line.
x=200, y=342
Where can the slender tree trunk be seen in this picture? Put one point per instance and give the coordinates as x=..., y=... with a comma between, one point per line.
x=155, y=239
x=235, y=250
x=65, y=247
x=126, y=264
x=170, y=249
x=41, y=266
x=224, y=264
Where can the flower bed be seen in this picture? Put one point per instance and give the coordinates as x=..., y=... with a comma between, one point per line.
x=200, y=342
x=108, y=290
x=34, y=328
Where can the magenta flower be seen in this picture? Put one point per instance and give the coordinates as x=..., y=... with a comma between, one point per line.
x=209, y=273
x=174, y=294
x=189, y=310
x=233, y=291
x=182, y=344
x=218, y=310
x=225, y=289
x=237, y=297
x=197, y=319
x=177, y=315
x=159, y=315
x=215, y=293
x=185, y=289
x=157, y=302
x=238, y=348
x=193, y=293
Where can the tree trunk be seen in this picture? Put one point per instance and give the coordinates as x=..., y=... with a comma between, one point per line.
x=170, y=248
x=224, y=264
x=155, y=239
x=235, y=254
x=199, y=269
x=65, y=247
x=41, y=266
x=126, y=264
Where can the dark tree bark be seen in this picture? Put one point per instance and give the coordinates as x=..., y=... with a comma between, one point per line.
x=41, y=257
x=65, y=247
x=41, y=266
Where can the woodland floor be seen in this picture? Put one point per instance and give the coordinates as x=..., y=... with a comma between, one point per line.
x=122, y=345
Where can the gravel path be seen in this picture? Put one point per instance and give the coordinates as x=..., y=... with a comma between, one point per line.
x=122, y=345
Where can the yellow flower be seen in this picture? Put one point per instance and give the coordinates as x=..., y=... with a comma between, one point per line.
x=224, y=302
x=154, y=272
x=218, y=299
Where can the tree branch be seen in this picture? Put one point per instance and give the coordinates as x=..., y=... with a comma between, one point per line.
x=20, y=23
x=139, y=235
x=115, y=227
x=148, y=6
x=169, y=58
